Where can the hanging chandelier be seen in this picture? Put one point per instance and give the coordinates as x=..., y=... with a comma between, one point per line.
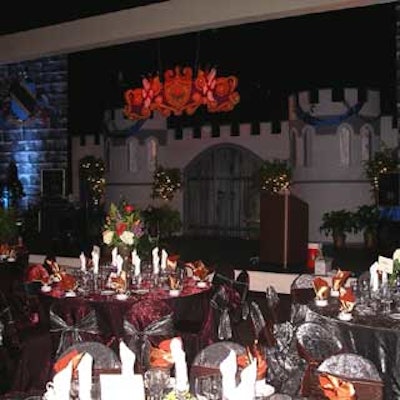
x=180, y=93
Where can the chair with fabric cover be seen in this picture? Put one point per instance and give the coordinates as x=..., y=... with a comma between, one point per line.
x=146, y=323
x=315, y=343
x=72, y=321
x=104, y=358
x=357, y=370
x=301, y=292
x=208, y=360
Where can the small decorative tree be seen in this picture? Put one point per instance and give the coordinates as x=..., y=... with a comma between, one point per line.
x=383, y=162
x=337, y=223
x=91, y=171
x=166, y=182
x=274, y=176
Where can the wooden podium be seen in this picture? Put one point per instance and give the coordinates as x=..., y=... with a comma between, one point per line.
x=283, y=230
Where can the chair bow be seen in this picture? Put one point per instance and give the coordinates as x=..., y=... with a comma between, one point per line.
x=141, y=339
x=225, y=300
x=87, y=324
x=336, y=388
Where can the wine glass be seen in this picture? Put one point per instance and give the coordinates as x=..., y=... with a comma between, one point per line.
x=156, y=381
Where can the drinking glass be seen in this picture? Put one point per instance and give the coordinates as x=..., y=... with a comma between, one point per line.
x=156, y=381
x=208, y=387
x=385, y=296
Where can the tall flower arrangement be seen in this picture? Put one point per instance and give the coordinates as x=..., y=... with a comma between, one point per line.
x=123, y=225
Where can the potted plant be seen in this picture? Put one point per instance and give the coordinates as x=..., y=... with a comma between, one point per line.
x=338, y=223
x=367, y=219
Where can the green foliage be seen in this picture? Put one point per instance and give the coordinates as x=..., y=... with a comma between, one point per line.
x=162, y=221
x=338, y=222
x=8, y=225
x=367, y=218
x=275, y=175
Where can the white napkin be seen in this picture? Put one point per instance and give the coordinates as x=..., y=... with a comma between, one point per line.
x=62, y=383
x=82, y=258
x=96, y=259
x=164, y=257
x=374, y=277
x=128, y=358
x=85, y=376
x=181, y=373
x=114, y=253
x=228, y=368
x=119, y=263
x=136, y=261
x=156, y=261
x=247, y=387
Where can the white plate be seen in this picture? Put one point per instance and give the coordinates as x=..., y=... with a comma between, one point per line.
x=121, y=296
x=10, y=259
x=321, y=302
x=395, y=316
x=263, y=389
x=107, y=292
x=46, y=289
x=70, y=293
x=202, y=284
x=345, y=316
x=140, y=291
x=174, y=292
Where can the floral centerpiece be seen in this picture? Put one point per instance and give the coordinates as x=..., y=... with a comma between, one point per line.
x=123, y=227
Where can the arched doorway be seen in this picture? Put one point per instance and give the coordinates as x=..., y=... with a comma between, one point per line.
x=221, y=196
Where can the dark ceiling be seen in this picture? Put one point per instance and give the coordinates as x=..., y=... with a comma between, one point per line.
x=24, y=15
x=347, y=48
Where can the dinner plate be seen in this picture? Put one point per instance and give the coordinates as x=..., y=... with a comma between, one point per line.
x=70, y=294
x=121, y=296
x=263, y=389
x=107, y=292
x=140, y=291
x=395, y=316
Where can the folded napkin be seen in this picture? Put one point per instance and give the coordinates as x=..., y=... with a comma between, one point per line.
x=335, y=388
x=172, y=262
x=347, y=300
x=118, y=282
x=114, y=253
x=82, y=259
x=155, y=261
x=68, y=282
x=374, y=277
x=246, y=388
x=128, y=358
x=228, y=369
x=63, y=361
x=85, y=376
x=321, y=288
x=254, y=353
x=160, y=356
x=181, y=372
x=120, y=262
x=96, y=259
x=339, y=279
x=174, y=282
x=136, y=262
x=59, y=388
x=164, y=257
x=200, y=271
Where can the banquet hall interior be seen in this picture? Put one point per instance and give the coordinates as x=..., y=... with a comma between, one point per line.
x=221, y=174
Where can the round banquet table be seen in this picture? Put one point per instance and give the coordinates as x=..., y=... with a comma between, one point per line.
x=375, y=337
x=192, y=304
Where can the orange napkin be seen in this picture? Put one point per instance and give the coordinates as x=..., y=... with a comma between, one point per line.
x=243, y=360
x=118, y=283
x=340, y=279
x=321, y=288
x=161, y=357
x=347, y=299
x=335, y=388
x=62, y=362
x=174, y=282
x=199, y=269
x=172, y=261
x=67, y=282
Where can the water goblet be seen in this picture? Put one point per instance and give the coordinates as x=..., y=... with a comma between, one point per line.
x=156, y=381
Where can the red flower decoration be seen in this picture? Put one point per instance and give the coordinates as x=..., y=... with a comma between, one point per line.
x=129, y=208
x=120, y=228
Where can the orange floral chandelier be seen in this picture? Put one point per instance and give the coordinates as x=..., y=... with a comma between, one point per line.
x=181, y=93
